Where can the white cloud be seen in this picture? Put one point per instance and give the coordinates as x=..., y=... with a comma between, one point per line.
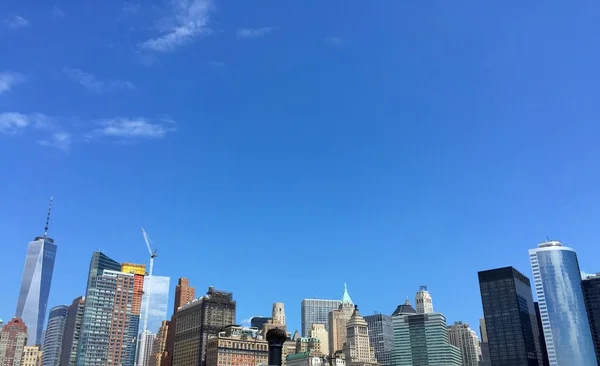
x=188, y=20
x=90, y=82
x=253, y=32
x=59, y=140
x=9, y=79
x=336, y=41
x=15, y=22
x=12, y=123
x=136, y=128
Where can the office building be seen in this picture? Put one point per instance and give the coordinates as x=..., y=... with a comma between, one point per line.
x=319, y=332
x=507, y=302
x=306, y=359
x=357, y=348
x=258, y=322
x=111, y=296
x=337, y=323
x=461, y=336
x=13, y=339
x=591, y=295
x=144, y=349
x=557, y=280
x=237, y=346
x=53, y=339
x=422, y=339
x=423, y=301
x=538, y=317
x=381, y=336
x=159, y=348
x=35, y=284
x=32, y=356
x=72, y=332
x=197, y=321
x=134, y=313
x=304, y=344
x=158, y=288
x=277, y=319
x=184, y=293
x=316, y=311
x=485, y=347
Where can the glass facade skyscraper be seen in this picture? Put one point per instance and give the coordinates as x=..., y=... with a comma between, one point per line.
x=591, y=294
x=381, y=337
x=316, y=311
x=510, y=320
x=158, y=288
x=54, y=335
x=35, y=287
x=562, y=308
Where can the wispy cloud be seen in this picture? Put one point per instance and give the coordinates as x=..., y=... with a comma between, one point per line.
x=57, y=12
x=188, y=19
x=253, y=32
x=10, y=79
x=92, y=83
x=336, y=41
x=59, y=140
x=12, y=123
x=131, y=8
x=134, y=128
x=15, y=22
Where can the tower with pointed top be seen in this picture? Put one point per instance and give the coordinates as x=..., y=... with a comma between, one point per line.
x=357, y=348
x=35, y=284
x=337, y=323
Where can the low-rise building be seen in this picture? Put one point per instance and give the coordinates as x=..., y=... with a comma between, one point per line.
x=306, y=359
x=237, y=346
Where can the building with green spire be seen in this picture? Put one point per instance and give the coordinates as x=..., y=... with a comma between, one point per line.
x=338, y=320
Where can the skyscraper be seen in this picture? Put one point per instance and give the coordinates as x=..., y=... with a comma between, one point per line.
x=133, y=317
x=460, y=335
x=485, y=346
x=13, y=339
x=184, y=293
x=158, y=288
x=316, y=311
x=422, y=339
x=510, y=320
x=538, y=317
x=32, y=356
x=357, y=348
x=381, y=336
x=68, y=353
x=319, y=332
x=159, y=348
x=35, y=284
x=106, y=335
x=277, y=319
x=259, y=322
x=557, y=280
x=337, y=323
x=54, y=335
x=423, y=301
x=144, y=349
x=591, y=294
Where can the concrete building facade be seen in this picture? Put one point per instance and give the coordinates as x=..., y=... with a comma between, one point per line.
x=337, y=323
x=32, y=356
x=13, y=339
x=424, y=303
x=184, y=293
x=318, y=331
x=159, y=348
x=357, y=348
x=460, y=335
x=237, y=346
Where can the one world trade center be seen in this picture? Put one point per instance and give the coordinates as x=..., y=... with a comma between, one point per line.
x=35, y=284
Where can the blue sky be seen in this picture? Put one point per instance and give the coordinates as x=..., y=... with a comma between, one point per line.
x=388, y=144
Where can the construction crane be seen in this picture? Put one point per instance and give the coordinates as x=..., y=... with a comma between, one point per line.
x=152, y=256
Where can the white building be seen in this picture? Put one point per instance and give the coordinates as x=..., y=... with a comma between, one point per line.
x=357, y=349
x=144, y=350
x=462, y=336
x=424, y=301
x=278, y=314
x=318, y=331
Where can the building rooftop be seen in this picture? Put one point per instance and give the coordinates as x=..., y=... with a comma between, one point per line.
x=346, y=297
x=405, y=308
x=550, y=243
x=297, y=356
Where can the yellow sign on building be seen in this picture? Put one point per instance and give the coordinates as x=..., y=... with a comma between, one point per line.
x=138, y=269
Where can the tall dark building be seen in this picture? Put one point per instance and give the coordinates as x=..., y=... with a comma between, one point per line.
x=259, y=322
x=591, y=294
x=70, y=341
x=510, y=320
x=381, y=337
x=541, y=330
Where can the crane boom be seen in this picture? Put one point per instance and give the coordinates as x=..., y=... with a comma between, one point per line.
x=149, y=289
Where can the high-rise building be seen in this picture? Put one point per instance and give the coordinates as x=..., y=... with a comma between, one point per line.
x=538, y=317
x=316, y=311
x=197, y=321
x=381, y=336
x=133, y=317
x=184, y=293
x=259, y=322
x=485, y=346
x=557, y=280
x=422, y=339
x=461, y=336
x=319, y=332
x=277, y=319
x=158, y=288
x=591, y=295
x=159, y=348
x=357, y=348
x=237, y=346
x=32, y=356
x=423, y=301
x=54, y=335
x=337, y=323
x=13, y=339
x=70, y=339
x=35, y=284
x=107, y=337
x=510, y=320
x=144, y=349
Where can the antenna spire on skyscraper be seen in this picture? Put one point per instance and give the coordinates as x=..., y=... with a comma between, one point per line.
x=48, y=217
